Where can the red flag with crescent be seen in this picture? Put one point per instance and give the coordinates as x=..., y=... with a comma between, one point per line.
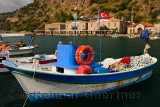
x=104, y=14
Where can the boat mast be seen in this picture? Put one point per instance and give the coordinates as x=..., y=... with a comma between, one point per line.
x=99, y=34
x=75, y=17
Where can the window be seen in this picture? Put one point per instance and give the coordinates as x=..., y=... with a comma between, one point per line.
x=130, y=30
x=91, y=24
x=133, y=30
x=108, y=24
x=114, y=24
x=60, y=70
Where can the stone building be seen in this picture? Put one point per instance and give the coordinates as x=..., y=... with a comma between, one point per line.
x=55, y=28
x=112, y=24
x=138, y=27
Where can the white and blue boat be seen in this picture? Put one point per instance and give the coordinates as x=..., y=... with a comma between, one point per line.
x=76, y=74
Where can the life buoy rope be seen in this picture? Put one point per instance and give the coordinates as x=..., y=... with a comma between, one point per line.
x=90, y=55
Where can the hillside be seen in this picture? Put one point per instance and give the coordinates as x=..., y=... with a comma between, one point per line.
x=35, y=15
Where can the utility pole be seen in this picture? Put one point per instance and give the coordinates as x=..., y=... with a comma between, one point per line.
x=132, y=20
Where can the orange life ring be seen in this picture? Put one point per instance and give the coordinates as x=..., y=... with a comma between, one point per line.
x=4, y=48
x=80, y=51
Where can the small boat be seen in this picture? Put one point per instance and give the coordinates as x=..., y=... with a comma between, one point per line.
x=14, y=50
x=153, y=38
x=3, y=56
x=21, y=43
x=131, y=37
x=19, y=50
x=43, y=59
x=115, y=36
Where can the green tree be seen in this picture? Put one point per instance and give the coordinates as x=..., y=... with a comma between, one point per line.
x=93, y=10
x=123, y=4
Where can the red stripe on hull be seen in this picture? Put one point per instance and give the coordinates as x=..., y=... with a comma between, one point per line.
x=6, y=72
x=47, y=61
x=1, y=66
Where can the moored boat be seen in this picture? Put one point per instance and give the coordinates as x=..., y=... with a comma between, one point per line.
x=43, y=59
x=21, y=50
x=63, y=79
x=3, y=56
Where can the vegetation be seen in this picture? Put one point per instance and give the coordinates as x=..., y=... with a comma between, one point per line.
x=154, y=14
x=39, y=12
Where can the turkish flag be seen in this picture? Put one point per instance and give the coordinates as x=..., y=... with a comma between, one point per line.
x=104, y=14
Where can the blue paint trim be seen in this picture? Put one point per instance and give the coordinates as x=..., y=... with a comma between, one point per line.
x=83, y=79
x=46, y=96
x=75, y=32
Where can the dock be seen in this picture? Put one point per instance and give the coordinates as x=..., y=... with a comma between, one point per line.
x=12, y=43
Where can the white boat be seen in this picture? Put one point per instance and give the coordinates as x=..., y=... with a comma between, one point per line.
x=3, y=56
x=115, y=36
x=154, y=38
x=21, y=50
x=64, y=79
x=15, y=50
x=43, y=59
x=131, y=37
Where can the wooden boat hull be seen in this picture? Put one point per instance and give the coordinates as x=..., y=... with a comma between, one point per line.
x=3, y=69
x=58, y=85
x=21, y=51
x=55, y=90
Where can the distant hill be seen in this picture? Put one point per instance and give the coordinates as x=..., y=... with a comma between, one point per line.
x=35, y=15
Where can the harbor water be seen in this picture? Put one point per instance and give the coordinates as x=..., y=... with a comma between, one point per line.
x=143, y=94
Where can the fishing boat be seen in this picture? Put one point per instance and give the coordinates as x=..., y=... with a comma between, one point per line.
x=43, y=59
x=3, y=56
x=19, y=50
x=154, y=38
x=14, y=50
x=115, y=36
x=131, y=37
x=77, y=74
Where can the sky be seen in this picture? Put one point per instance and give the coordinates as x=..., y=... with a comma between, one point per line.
x=12, y=5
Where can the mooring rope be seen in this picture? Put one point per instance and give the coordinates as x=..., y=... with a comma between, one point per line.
x=31, y=85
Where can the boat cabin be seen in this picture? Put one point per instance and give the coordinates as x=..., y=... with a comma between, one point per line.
x=66, y=61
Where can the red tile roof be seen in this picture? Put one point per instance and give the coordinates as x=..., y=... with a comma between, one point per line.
x=143, y=23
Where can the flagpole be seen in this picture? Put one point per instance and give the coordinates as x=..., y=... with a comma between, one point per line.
x=100, y=35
